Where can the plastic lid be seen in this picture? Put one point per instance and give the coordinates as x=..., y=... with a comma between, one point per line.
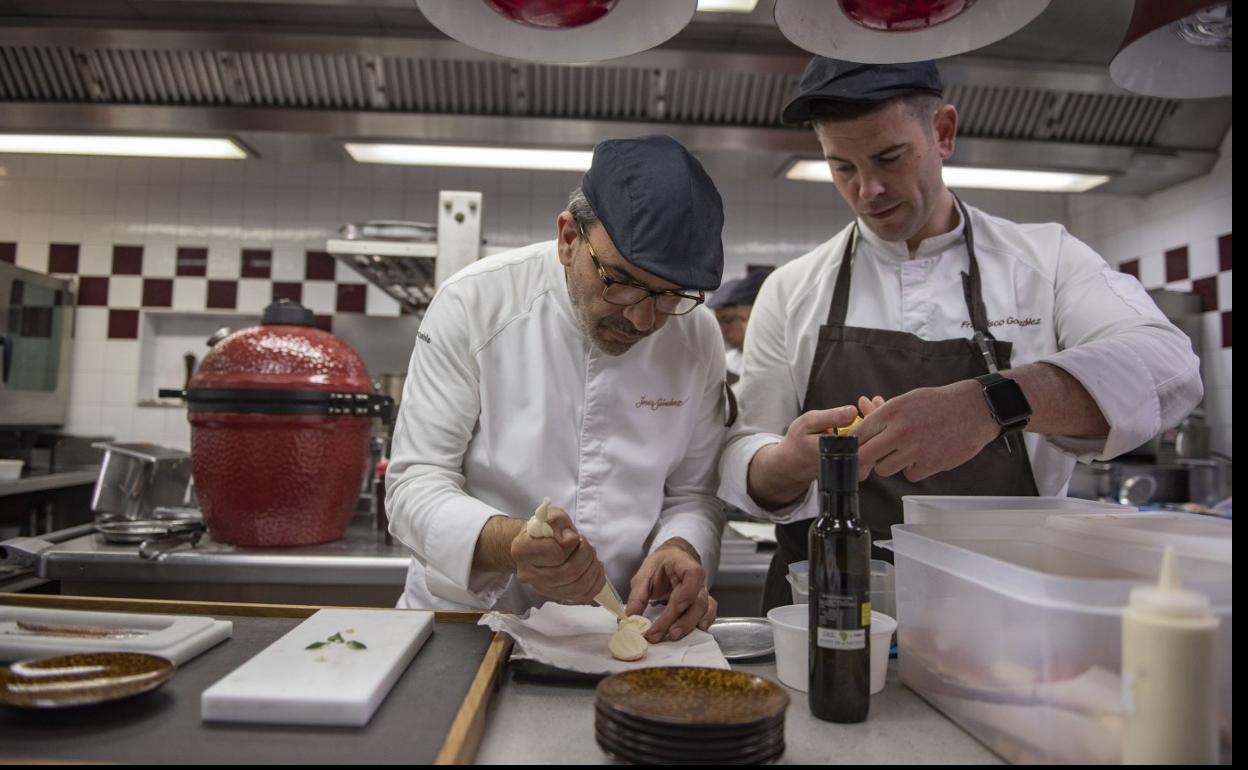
x=287, y=313
x=1168, y=598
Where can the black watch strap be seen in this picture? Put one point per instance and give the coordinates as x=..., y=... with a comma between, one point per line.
x=1010, y=409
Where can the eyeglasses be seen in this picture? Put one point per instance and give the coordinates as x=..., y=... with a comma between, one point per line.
x=626, y=293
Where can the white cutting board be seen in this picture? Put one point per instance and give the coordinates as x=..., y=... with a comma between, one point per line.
x=334, y=684
x=176, y=637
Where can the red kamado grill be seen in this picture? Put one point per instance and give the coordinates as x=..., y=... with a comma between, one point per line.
x=280, y=419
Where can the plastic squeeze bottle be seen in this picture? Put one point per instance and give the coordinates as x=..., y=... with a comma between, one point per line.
x=1169, y=673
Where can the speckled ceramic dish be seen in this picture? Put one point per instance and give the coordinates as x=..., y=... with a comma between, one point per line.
x=693, y=697
x=80, y=680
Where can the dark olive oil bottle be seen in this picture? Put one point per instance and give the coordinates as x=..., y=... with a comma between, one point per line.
x=840, y=585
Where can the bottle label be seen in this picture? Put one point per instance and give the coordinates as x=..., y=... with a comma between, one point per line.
x=843, y=622
x=842, y=640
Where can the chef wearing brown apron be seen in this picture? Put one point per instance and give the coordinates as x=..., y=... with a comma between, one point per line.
x=850, y=361
x=902, y=305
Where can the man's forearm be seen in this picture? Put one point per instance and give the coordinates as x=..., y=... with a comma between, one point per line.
x=493, y=551
x=774, y=482
x=1060, y=405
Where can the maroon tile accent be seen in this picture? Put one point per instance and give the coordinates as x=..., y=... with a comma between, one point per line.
x=257, y=263
x=292, y=291
x=123, y=324
x=1177, y=265
x=324, y=322
x=1130, y=267
x=351, y=297
x=127, y=260
x=1224, y=252
x=1207, y=288
x=157, y=292
x=1226, y=328
x=8, y=253
x=222, y=295
x=192, y=260
x=319, y=266
x=63, y=258
x=93, y=290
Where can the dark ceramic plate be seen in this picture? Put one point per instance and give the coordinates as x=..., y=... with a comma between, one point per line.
x=81, y=680
x=693, y=696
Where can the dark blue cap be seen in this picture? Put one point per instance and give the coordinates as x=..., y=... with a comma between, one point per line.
x=832, y=80
x=660, y=208
x=742, y=291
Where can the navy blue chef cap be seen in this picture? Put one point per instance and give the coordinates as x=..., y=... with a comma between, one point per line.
x=832, y=80
x=660, y=208
x=742, y=291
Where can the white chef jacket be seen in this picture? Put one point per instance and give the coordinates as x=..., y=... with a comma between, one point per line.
x=1045, y=291
x=506, y=402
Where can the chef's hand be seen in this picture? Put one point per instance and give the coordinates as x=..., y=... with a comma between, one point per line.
x=564, y=567
x=675, y=573
x=925, y=431
x=800, y=446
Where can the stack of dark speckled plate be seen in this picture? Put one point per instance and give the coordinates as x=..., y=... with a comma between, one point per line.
x=690, y=716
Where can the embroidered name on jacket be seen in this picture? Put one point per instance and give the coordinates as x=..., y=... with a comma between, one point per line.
x=654, y=404
x=1011, y=321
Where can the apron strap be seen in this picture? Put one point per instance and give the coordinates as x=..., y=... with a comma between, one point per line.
x=838, y=311
x=972, y=290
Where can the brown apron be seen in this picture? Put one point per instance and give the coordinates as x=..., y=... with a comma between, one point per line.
x=852, y=361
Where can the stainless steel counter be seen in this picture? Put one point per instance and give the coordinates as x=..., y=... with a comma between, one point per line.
x=360, y=570
x=49, y=481
x=902, y=728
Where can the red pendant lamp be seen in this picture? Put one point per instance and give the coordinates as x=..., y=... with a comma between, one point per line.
x=560, y=31
x=896, y=31
x=1176, y=49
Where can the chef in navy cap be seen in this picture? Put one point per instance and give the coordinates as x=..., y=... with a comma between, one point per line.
x=732, y=305
x=986, y=357
x=586, y=370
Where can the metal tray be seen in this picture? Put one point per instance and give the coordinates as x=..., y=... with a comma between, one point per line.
x=743, y=638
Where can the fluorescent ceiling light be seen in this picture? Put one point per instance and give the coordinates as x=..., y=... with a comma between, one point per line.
x=470, y=157
x=975, y=178
x=133, y=146
x=727, y=6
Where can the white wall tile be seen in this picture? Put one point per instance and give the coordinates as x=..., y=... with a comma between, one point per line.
x=35, y=226
x=120, y=389
x=83, y=418
x=1224, y=290
x=131, y=199
x=378, y=303
x=1202, y=255
x=88, y=353
x=100, y=197
x=118, y=421
x=288, y=262
x=190, y=293
x=149, y=423
x=224, y=260
x=91, y=325
x=346, y=274
x=32, y=255
x=125, y=291
x=320, y=297
x=254, y=295
x=121, y=356
x=86, y=387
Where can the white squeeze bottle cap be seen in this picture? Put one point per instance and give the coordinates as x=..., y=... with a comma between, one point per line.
x=1169, y=673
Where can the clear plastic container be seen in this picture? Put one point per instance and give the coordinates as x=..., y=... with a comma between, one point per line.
x=1015, y=633
x=966, y=510
x=1191, y=534
x=882, y=585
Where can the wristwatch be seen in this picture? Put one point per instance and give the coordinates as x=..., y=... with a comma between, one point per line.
x=1006, y=402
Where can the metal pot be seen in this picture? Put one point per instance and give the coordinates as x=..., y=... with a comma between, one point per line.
x=136, y=478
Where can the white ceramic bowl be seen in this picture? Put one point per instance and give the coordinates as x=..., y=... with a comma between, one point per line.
x=11, y=470
x=788, y=627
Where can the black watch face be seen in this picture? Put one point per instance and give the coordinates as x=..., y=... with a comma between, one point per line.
x=1009, y=401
